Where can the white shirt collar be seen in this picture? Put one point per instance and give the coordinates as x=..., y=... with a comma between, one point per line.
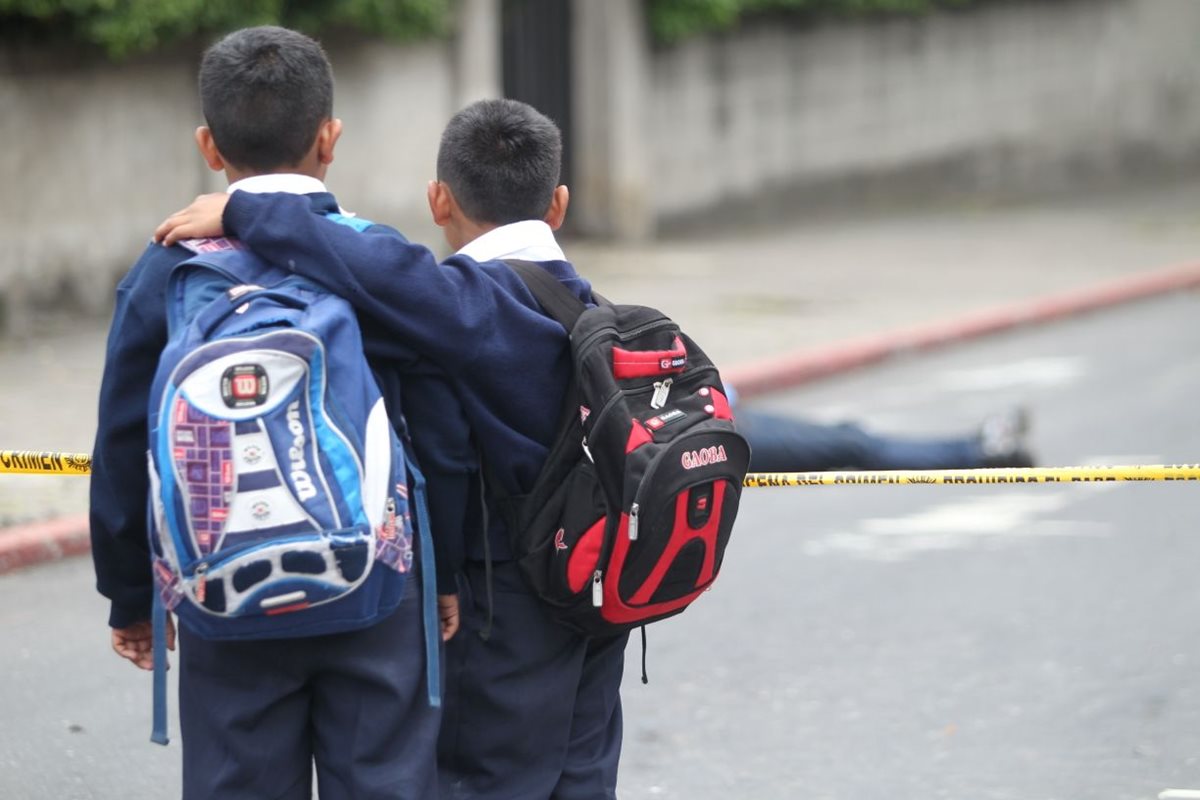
x=528, y=240
x=282, y=182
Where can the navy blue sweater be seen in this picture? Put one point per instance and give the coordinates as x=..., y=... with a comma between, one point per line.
x=477, y=321
x=120, y=483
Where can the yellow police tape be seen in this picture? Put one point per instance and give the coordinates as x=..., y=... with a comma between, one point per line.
x=35, y=462
x=1148, y=472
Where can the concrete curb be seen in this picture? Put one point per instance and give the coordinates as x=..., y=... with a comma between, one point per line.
x=38, y=542
x=790, y=370
x=53, y=539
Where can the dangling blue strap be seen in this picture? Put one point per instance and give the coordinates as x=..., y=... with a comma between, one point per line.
x=158, y=623
x=433, y=632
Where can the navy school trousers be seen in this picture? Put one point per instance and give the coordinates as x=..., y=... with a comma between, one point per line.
x=255, y=716
x=532, y=712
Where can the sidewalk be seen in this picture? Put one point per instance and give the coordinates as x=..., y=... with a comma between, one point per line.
x=773, y=305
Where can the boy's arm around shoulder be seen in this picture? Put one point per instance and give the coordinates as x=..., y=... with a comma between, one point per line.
x=446, y=311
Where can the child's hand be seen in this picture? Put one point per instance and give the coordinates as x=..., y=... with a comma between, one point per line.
x=448, y=614
x=202, y=218
x=136, y=642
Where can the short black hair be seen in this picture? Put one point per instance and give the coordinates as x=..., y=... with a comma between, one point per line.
x=501, y=160
x=265, y=92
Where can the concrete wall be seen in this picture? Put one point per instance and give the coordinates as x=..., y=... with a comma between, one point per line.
x=93, y=154
x=1018, y=93
x=1009, y=94
x=612, y=192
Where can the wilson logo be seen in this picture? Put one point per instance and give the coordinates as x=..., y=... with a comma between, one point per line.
x=299, y=472
x=703, y=457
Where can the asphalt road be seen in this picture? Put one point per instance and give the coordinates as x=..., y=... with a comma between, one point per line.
x=1030, y=642
x=1035, y=643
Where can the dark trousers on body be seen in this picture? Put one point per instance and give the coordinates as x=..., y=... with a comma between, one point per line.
x=532, y=712
x=255, y=716
x=788, y=444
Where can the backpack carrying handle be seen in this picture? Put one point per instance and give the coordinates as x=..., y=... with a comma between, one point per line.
x=215, y=314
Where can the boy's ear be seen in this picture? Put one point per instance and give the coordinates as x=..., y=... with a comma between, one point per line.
x=327, y=137
x=441, y=202
x=558, y=207
x=208, y=149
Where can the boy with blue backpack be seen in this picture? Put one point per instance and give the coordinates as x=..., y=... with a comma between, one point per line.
x=532, y=698
x=282, y=528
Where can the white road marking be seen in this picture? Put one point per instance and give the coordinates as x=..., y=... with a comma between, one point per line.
x=981, y=520
x=993, y=513
x=1051, y=371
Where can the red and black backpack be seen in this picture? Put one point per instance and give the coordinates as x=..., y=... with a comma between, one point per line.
x=629, y=518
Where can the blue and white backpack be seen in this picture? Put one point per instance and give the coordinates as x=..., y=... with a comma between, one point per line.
x=279, y=489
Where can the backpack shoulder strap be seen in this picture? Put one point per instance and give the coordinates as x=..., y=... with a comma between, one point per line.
x=557, y=300
x=354, y=221
x=561, y=305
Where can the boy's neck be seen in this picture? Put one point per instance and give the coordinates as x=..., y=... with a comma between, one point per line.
x=467, y=231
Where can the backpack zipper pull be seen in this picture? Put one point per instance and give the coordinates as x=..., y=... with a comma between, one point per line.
x=387, y=529
x=661, y=390
x=202, y=583
x=634, y=510
x=597, y=589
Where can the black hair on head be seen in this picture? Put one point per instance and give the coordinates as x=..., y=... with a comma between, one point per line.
x=501, y=160
x=265, y=91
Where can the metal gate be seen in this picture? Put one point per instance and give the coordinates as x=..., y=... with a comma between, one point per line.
x=536, y=62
